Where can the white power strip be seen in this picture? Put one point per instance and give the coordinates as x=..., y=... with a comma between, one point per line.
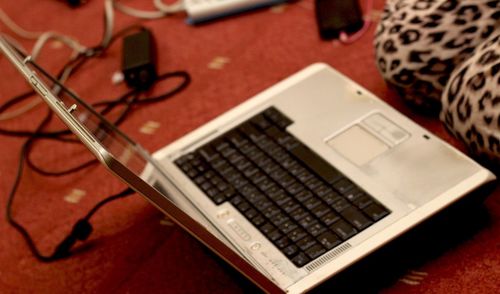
x=205, y=10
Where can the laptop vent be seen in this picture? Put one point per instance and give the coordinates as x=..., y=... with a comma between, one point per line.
x=327, y=257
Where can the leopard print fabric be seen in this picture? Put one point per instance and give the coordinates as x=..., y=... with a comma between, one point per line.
x=471, y=101
x=443, y=56
x=419, y=43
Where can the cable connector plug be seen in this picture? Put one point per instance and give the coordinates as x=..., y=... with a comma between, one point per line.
x=81, y=231
x=139, y=60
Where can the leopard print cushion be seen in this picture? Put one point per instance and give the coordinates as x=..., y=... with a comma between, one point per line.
x=471, y=101
x=443, y=57
x=419, y=43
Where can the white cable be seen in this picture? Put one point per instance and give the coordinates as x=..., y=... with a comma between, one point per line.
x=14, y=43
x=71, y=42
x=169, y=8
x=138, y=13
x=17, y=29
x=45, y=37
x=109, y=19
x=21, y=110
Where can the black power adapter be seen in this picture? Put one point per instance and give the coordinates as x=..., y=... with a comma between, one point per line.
x=139, y=60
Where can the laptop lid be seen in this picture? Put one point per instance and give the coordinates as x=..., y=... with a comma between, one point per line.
x=128, y=161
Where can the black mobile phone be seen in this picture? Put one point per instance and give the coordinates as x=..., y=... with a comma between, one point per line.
x=336, y=16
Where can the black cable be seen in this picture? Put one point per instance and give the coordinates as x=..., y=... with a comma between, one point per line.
x=82, y=228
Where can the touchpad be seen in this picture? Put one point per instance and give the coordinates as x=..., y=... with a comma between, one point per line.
x=357, y=145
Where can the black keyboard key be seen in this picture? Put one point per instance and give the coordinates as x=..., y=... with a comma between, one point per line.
x=306, y=243
x=329, y=240
x=266, y=184
x=248, y=191
x=363, y=201
x=282, y=242
x=307, y=221
x=229, y=193
x=277, y=118
x=279, y=218
x=290, y=162
x=252, y=152
x=258, y=220
x=258, y=177
x=290, y=206
x=331, y=198
x=322, y=190
x=330, y=218
x=236, y=200
x=316, y=164
x=243, y=206
x=320, y=210
x=297, y=234
x=316, y=228
x=279, y=196
x=343, y=185
x=199, y=180
x=376, y=211
x=267, y=228
x=288, y=182
x=182, y=160
x=267, y=145
x=212, y=192
x=275, y=172
x=303, y=196
x=261, y=122
x=206, y=186
x=208, y=153
x=249, y=171
x=291, y=250
x=192, y=173
x=251, y=213
x=313, y=183
x=271, y=211
x=312, y=203
x=218, y=162
x=353, y=194
x=299, y=214
x=343, y=229
x=237, y=180
x=340, y=205
x=303, y=175
x=262, y=204
x=251, y=132
x=219, y=198
x=315, y=251
x=274, y=235
x=279, y=154
x=288, y=226
x=277, y=134
x=235, y=157
x=356, y=218
x=220, y=144
x=300, y=260
x=236, y=138
x=294, y=188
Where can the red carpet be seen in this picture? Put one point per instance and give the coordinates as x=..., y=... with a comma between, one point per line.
x=132, y=250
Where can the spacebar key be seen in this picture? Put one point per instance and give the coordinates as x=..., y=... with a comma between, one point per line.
x=316, y=163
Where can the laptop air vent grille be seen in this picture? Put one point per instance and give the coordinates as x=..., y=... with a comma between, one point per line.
x=327, y=257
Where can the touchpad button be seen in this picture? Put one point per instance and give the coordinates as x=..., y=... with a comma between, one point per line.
x=358, y=145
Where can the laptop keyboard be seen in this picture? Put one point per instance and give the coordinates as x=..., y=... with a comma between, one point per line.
x=302, y=204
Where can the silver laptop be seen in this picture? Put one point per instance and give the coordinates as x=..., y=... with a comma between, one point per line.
x=292, y=186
